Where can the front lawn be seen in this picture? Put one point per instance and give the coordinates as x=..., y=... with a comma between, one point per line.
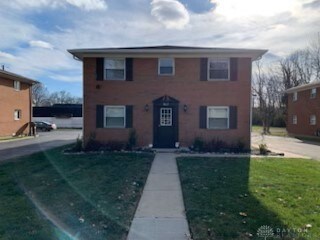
x=274, y=131
x=50, y=195
x=231, y=198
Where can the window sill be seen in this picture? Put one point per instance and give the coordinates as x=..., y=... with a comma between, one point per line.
x=218, y=128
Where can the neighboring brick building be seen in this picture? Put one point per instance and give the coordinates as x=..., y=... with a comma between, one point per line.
x=304, y=110
x=168, y=94
x=15, y=104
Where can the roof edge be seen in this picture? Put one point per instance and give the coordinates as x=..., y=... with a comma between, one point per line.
x=181, y=50
x=13, y=76
x=303, y=87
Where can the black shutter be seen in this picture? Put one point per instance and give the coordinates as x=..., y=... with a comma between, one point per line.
x=233, y=117
x=129, y=116
x=99, y=116
x=203, y=69
x=233, y=69
x=99, y=69
x=203, y=117
x=129, y=69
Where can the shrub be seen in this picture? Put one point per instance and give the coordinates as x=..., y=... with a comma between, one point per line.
x=93, y=145
x=263, y=149
x=217, y=145
x=198, y=144
x=78, y=145
x=132, y=141
x=239, y=146
x=113, y=146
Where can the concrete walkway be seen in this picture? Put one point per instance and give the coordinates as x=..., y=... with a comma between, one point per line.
x=160, y=214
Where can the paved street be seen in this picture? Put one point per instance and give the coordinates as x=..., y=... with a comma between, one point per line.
x=287, y=145
x=44, y=141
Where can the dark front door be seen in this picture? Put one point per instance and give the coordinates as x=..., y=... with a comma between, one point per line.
x=165, y=121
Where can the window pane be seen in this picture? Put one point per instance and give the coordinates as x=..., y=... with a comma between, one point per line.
x=115, y=112
x=218, y=113
x=115, y=74
x=166, y=62
x=218, y=65
x=220, y=123
x=219, y=74
x=115, y=121
x=166, y=70
x=114, y=63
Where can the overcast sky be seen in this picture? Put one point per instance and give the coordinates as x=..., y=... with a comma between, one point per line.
x=35, y=34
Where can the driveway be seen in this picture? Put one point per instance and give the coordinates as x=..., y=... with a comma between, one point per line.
x=287, y=145
x=44, y=141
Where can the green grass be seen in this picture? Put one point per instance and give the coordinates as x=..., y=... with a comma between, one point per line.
x=274, y=131
x=280, y=193
x=55, y=196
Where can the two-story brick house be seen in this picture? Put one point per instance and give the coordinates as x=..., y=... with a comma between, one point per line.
x=15, y=104
x=304, y=110
x=170, y=95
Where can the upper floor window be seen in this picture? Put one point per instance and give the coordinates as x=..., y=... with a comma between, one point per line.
x=17, y=114
x=295, y=96
x=166, y=66
x=294, y=119
x=313, y=120
x=219, y=69
x=115, y=69
x=17, y=85
x=115, y=116
x=218, y=117
x=313, y=93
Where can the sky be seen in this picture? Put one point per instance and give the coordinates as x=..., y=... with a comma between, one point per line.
x=35, y=34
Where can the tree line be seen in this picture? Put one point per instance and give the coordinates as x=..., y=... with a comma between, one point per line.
x=42, y=97
x=270, y=81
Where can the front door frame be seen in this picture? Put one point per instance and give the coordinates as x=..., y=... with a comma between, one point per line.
x=165, y=102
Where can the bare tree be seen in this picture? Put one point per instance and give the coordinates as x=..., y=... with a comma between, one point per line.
x=296, y=69
x=268, y=88
x=40, y=95
x=63, y=97
x=314, y=49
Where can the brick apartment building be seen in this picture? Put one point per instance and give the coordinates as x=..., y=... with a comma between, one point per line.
x=170, y=95
x=15, y=104
x=304, y=110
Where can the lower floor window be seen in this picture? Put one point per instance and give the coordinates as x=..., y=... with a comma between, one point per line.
x=313, y=120
x=115, y=116
x=218, y=117
x=17, y=114
x=294, y=119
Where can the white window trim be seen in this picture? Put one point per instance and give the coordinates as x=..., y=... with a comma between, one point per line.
x=218, y=107
x=294, y=120
x=295, y=96
x=315, y=120
x=208, y=69
x=105, y=72
x=173, y=67
x=313, y=94
x=105, y=116
x=19, y=114
x=18, y=84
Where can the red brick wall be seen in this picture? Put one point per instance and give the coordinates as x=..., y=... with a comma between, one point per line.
x=10, y=99
x=185, y=86
x=303, y=108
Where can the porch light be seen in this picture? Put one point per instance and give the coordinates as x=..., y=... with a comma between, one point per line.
x=185, y=108
x=146, y=107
